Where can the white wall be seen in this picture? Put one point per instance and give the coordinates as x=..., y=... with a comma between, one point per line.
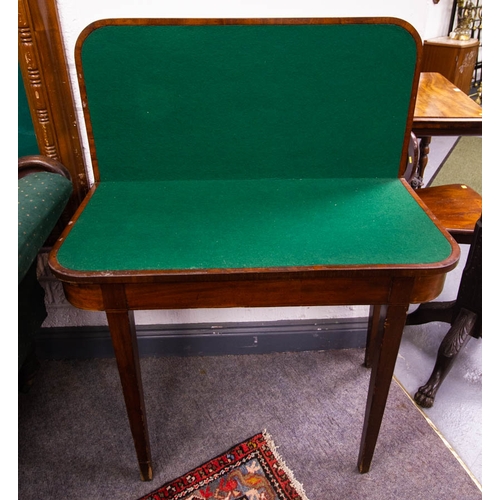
x=429, y=19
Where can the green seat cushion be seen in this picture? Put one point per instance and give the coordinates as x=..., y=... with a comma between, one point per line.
x=175, y=225
x=42, y=197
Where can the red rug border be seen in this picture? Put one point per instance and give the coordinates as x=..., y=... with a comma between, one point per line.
x=260, y=446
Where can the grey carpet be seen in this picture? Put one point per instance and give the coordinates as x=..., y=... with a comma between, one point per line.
x=462, y=165
x=74, y=440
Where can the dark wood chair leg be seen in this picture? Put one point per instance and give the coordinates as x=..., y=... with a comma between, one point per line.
x=463, y=314
x=432, y=311
x=457, y=337
x=122, y=328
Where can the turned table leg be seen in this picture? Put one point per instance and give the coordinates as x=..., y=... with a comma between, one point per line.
x=423, y=158
x=123, y=335
x=384, y=351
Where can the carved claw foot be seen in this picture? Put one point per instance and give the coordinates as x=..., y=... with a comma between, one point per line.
x=456, y=338
x=424, y=397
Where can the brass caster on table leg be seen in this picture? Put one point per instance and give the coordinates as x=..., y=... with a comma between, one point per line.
x=146, y=472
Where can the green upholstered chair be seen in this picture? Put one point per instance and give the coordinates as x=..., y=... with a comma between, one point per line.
x=44, y=188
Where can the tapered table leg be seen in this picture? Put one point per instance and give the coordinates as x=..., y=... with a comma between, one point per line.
x=123, y=334
x=383, y=363
x=371, y=337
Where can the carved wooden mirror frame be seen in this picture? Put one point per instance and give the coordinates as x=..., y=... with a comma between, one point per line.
x=48, y=90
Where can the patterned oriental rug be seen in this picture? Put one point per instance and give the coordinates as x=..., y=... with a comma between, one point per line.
x=252, y=470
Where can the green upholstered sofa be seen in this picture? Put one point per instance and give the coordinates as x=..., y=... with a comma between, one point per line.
x=44, y=188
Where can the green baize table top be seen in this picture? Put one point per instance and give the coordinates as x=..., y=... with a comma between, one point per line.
x=251, y=224
x=244, y=147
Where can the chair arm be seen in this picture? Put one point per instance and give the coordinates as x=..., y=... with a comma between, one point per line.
x=37, y=163
x=44, y=188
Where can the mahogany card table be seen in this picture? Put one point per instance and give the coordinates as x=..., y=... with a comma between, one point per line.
x=250, y=163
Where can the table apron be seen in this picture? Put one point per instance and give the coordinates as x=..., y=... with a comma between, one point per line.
x=448, y=127
x=255, y=293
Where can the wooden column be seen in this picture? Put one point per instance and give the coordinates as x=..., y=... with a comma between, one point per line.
x=46, y=80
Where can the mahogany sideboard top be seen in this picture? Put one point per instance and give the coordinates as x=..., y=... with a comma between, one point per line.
x=443, y=109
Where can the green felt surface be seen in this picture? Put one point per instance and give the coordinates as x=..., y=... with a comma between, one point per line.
x=248, y=101
x=249, y=146
x=251, y=223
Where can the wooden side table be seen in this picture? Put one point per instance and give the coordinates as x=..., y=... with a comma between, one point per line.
x=442, y=109
x=454, y=59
